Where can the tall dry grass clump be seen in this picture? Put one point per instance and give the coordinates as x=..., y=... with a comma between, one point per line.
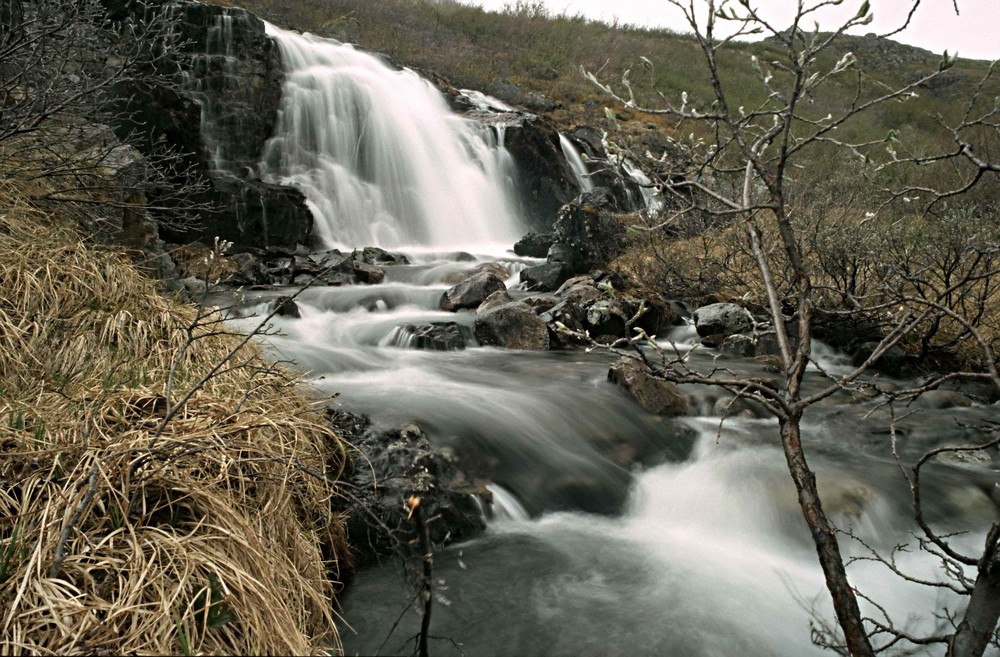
x=210, y=534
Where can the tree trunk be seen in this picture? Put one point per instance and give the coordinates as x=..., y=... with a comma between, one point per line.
x=981, y=616
x=824, y=536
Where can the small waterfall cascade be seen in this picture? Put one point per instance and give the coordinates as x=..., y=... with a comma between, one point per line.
x=576, y=163
x=215, y=70
x=380, y=156
x=651, y=198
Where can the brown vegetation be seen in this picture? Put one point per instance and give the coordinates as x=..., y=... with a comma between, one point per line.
x=211, y=534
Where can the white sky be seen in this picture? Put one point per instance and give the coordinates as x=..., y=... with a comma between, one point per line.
x=974, y=33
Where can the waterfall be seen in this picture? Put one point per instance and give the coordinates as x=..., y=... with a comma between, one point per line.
x=576, y=164
x=381, y=158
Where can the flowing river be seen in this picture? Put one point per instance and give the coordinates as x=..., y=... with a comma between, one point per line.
x=613, y=531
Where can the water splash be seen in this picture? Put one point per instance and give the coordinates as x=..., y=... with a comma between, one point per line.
x=381, y=158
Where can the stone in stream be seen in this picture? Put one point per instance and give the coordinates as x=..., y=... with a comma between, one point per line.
x=286, y=307
x=387, y=467
x=655, y=395
x=722, y=319
x=495, y=300
x=366, y=273
x=513, y=325
x=471, y=292
x=434, y=336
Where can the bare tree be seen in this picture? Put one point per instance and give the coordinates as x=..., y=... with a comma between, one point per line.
x=739, y=164
x=64, y=67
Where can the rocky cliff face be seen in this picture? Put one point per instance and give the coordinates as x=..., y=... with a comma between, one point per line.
x=220, y=111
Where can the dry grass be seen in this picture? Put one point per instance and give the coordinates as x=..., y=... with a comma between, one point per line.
x=213, y=537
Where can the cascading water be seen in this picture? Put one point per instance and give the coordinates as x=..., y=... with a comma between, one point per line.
x=576, y=164
x=616, y=532
x=380, y=157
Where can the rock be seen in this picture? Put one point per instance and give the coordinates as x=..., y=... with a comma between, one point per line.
x=471, y=292
x=546, y=277
x=539, y=304
x=286, y=307
x=588, y=225
x=373, y=255
x=512, y=326
x=942, y=399
x=567, y=255
x=893, y=362
x=494, y=268
x=434, y=336
x=545, y=180
x=234, y=92
x=655, y=395
x=534, y=245
x=739, y=345
x=605, y=321
x=251, y=270
x=512, y=94
x=495, y=300
x=366, y=273
x=386, y=468
x=722, y=319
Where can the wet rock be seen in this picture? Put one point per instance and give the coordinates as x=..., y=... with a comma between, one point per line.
x=546, y=277
x=545, y=180
x=471, y=292
x=655, y=395
x=251, y=270
x=534, y=245
x=567, y=255
x=512, y=94
x=588, y=225
x=365, y=273
x=373, y=255
x=433, y=336
x=739, y=345
x=893, y=362
x=722, y=319
x=942, y=399
x=387, y=468
x=495, y=300
x=494, y=268
x=605, y=321
x=568, y=315
x=512, y=326
x=286, y=307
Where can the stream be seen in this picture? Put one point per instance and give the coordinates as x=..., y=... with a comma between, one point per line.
x=612, y=531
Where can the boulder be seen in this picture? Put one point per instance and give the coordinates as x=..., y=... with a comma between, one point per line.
x=365, y=273
x=433, y=336
x=567, y=255
x=893, y=362
x=534, y=245
x=495, y=300
x=373, y=255
x=722, y=319
x=655, y=395
x=589, y=226
x=388, y=467
x=471, y=292
x=286, y=307
x=512, y=326
x=545, y=180
x=546, y=277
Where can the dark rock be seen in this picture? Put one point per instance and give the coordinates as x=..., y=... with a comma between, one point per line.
x=512, y=326
x=540, y=304
x=286, y=307
x=567, y=255
x=546, y=277
x=739, y=345
x=534, y=245
x=605, y=320
x=494, y=268
x=373, y=255
x=366, y=273
x=655, y=395
x=722, y=319
x=588, y=225
x=545, y=179
x=435, y=336
x=893, y=362
x=387, y=468
x=234, y=92
x=471, y=292
x=252, y=270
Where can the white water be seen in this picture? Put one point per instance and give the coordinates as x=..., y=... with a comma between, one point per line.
x=381, y=158
x=706, y=556
x=576, y=163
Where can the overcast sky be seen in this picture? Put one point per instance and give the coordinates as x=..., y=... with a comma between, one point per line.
x=974, y=33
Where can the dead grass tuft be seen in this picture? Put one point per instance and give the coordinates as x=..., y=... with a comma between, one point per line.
x=208, y=538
